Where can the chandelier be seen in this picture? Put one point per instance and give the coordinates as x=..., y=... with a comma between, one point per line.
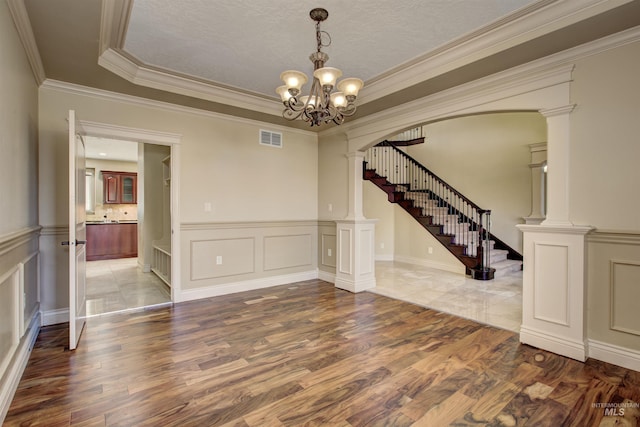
x=321, y=105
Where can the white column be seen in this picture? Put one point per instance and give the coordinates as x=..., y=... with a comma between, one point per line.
x=558, y=166
x=355, y=211
x=554, y=277
x=355, y=235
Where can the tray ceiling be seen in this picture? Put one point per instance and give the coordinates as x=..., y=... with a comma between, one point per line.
x=246, y=44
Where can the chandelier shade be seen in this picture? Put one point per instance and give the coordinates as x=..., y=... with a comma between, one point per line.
x=322, y=104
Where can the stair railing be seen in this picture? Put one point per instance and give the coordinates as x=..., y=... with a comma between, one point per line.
x=445, y=205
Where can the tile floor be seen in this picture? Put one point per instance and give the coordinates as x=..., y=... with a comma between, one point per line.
x=496, y=302
x=119, y=284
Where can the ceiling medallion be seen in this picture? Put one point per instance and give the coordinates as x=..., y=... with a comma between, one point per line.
x=321, y=105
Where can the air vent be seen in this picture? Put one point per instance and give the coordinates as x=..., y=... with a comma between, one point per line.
x=273, y=139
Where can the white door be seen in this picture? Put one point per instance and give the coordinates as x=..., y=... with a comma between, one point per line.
x=77, y=233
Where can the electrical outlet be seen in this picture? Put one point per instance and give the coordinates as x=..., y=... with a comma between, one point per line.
x=430, y=250
x=330, y=207
x=381, y=245
x=208, y=207
x=219, y=260
x=328, y=252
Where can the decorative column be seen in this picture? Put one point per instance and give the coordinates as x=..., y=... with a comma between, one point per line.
x=355, y=263
x=554, y=278
x=538, y=162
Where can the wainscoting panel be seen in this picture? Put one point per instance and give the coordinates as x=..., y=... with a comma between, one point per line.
x=19, y=308
x=327, y=251
x=346, y=242
x=625, y=296
x=287, y=251
x=550, y=300
x=221, y=258
x=367, y=242
x=9, y=307
x=613, y=282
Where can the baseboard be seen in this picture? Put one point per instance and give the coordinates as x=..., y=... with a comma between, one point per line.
x=353, y=286
x=385, y=257
x=53, y=317
x=326, y=276
x=614, y=354
x=453, y=268
x=559, y=345
x=247, y=285
x=12, y=376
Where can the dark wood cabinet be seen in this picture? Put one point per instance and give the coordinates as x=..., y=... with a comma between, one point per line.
x=120, y=187
x=112, y=240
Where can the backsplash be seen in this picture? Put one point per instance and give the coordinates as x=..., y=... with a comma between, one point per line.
x=114, y=213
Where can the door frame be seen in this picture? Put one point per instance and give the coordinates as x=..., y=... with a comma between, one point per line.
x=173, y=140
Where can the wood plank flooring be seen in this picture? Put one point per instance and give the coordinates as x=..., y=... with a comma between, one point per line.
x=309, y=354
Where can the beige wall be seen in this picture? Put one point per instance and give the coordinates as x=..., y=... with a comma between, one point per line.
x=221, y=163
x=376, y=206
x=605, y=130
x=332, y=177
x=605, y=152
x=19, y=296
x=486, y=157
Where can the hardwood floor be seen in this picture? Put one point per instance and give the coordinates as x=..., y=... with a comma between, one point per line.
x=309, y=354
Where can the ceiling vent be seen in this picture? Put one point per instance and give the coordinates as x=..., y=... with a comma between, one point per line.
x=273, y=139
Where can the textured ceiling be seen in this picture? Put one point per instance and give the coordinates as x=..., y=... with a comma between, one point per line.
x=248, y=43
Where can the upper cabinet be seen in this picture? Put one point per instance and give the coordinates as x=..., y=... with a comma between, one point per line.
x=120, y=187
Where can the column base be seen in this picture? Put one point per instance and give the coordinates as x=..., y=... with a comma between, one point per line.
x=355, y=267
x=355, y=286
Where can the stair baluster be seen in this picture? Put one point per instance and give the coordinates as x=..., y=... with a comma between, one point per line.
x=454, y=219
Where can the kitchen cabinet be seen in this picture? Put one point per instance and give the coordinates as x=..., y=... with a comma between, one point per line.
x=111, y=240
x=120, y=187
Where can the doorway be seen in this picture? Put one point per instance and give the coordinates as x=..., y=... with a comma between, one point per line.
x=128, y=202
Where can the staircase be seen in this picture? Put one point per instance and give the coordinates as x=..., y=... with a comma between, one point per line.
x=455, y=221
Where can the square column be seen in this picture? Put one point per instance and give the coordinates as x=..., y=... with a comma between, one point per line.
x=558, y=156
x=355, y=266
x=554, y=289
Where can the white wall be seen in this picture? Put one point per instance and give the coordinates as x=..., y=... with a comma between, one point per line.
x=19, y=294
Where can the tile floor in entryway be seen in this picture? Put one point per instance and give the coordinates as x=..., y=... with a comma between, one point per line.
x=496, y=302
x=119, y=284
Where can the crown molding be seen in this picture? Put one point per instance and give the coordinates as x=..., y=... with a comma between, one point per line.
x=106, y=95
x=114, y=21
x=116, y=62
x=25, y=32
x=523, y=25
x=550, y=70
